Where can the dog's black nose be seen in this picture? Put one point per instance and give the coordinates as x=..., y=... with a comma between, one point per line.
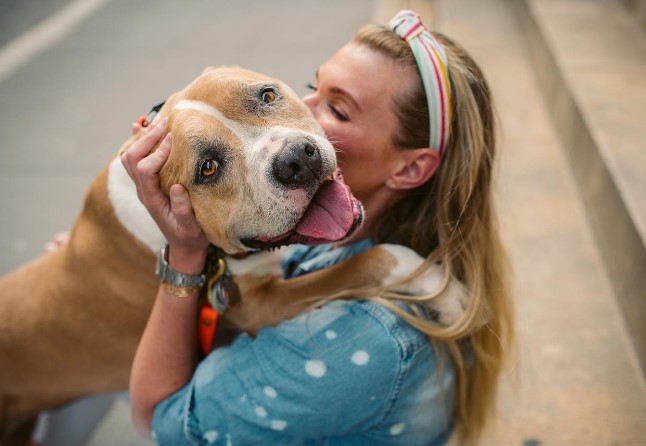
x=297, y=164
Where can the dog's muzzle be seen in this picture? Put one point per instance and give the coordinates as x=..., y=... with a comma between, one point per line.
x=332, y=215
x=297, y=164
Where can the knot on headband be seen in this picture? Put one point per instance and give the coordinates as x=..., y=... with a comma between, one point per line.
x=430, y=56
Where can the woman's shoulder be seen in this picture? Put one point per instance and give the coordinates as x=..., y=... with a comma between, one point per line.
x=342, y=325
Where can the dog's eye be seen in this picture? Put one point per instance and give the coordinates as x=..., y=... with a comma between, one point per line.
x=209, y=168
x=268, y=96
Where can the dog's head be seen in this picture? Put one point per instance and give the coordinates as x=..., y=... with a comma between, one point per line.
x=259, y=170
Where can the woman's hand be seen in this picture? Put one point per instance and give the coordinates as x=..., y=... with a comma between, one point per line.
x=173, y=214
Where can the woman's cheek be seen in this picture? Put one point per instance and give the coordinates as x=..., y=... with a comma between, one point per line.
x=345, y=141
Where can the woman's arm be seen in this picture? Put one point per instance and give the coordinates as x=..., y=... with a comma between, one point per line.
x=166, y=356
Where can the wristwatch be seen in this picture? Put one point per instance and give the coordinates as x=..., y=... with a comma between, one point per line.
x=175, y=278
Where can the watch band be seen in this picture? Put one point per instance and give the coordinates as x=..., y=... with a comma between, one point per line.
x=175, y=278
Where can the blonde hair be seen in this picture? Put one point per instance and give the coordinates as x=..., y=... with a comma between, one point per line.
x=451, y=219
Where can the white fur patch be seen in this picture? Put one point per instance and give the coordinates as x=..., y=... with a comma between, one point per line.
x=407, y=262
x=131, y=213
x=450, y=304
x=245, y=133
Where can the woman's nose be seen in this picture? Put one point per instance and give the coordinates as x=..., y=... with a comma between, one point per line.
x=311, y=101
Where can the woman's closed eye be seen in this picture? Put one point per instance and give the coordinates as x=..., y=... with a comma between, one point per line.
x=338, y=114
x=334, y=109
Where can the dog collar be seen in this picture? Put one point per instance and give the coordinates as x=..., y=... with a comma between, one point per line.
x=221, y=293
x=145, y=120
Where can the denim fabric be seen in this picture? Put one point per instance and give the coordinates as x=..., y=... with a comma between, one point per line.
x=348, y=373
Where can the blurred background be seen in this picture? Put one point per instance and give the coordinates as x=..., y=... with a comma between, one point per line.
x=569, y=80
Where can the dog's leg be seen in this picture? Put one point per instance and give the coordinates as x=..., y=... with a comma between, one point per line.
x=448, y=306
x=269, y=299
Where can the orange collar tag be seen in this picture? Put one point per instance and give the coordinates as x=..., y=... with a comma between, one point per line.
x=207, y=324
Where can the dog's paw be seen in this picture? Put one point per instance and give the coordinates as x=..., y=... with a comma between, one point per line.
x=446, y=308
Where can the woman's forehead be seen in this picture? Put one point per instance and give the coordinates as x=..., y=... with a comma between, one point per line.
x=366, y=74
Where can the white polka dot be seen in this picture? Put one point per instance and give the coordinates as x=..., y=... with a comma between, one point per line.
x=270, y=392
x=260, y=411
x=243, y=398
x=278, y=425
x=360, y=357
x=315, y=368
x=211, y=436
x=154, y=436
x=397, y=429
x=372, y=398
x=330, y=334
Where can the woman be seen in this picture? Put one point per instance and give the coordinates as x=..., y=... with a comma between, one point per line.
x=375, y=368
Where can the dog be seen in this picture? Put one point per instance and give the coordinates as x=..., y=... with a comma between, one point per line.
x=260, y=173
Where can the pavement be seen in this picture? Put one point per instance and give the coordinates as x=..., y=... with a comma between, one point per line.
x=590, y=60
x=66, y=109
x=579, y=379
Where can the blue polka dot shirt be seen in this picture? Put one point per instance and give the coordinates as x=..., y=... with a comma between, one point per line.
x=347, y=373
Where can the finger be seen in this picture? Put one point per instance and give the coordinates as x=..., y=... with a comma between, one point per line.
x=152, y=164
x=61, y=238
x=126, y=164
x=147, y=177
x=146, y=144
x=58, y=242
x=180, y=205
x=140, y=148
x=135, y=128
x=149, y=165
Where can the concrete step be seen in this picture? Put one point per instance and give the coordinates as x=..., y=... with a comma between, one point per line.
x=579, y=378
x=590, y=60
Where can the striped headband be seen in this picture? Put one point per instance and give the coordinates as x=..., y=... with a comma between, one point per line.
x=431, y=62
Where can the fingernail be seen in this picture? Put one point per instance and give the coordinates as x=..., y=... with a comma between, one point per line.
x=175, y=192
x=163, y=122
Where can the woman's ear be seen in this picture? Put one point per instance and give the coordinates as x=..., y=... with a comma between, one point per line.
x=418, y=167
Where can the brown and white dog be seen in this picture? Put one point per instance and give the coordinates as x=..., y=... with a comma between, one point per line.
x=260, y=174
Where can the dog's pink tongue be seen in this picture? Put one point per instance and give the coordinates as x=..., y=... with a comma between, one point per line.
x=331, y=214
